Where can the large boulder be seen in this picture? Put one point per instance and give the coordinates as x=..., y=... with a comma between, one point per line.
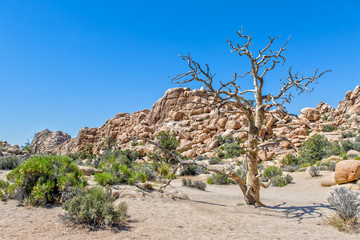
x=311, y=114
x=347, y=171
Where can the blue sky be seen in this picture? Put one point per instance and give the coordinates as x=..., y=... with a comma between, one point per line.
x=65, y=65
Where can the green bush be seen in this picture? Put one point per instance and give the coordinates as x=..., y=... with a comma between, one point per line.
x=148, y=170
x=280, y=181
x=314, y=149
x=329, y=128
x=164, y=170
x=290, y=160
x=3, y=189
x=10, y=162
x=42, y=179
x=350, y=145
x=333, y=149
x=272, y=171
x=348, y=134
x=94, y=207
x=106, y=178
x=231, y=150
x=217, y=178
x=169, y=142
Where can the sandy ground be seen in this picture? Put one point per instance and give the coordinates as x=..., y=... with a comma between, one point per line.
x=296, y=211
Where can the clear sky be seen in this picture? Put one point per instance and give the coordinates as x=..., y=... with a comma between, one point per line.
x=68, y=64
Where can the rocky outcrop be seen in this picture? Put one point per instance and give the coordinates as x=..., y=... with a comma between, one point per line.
x=183, y=112
x=7, y=149
x=48, y=142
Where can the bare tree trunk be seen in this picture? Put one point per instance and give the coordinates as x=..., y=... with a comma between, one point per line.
x=252, y=195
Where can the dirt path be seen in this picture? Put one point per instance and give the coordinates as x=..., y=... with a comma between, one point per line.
x=296, y=211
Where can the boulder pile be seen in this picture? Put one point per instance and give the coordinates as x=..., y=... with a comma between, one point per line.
x=197, y=126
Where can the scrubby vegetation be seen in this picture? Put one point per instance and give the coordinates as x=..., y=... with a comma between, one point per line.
x=275, y=174
x=94, y=207
x=3, y=189
x=43, y=179
x=347, y=209
x=314, y=171
x=290, y=160
x=120, y=167
x=193, y=184
x=280, y=181
x=169, y=142
x=348, y=134
x=229, y=148
x=219, y=179
x=10, y=162
x=272, y=171
x=329, y=128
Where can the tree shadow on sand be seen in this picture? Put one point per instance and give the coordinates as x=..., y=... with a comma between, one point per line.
x=301, y=212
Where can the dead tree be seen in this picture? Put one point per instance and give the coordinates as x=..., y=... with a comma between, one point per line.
x=254, y=107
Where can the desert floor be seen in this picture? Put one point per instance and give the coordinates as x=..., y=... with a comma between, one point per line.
x=296, y=211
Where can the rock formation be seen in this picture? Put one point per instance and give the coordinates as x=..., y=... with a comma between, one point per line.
x=197, y=126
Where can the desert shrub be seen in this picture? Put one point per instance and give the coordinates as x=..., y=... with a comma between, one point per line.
x=328, y=128
x=288, y=178
x=169, y=142
x=314, y=171
x=291, y=168
x=231, y=150
x=314, y=149
x=10, y=162
x=272, y=171
x=193, y=184
x=347, y=209
x=164, y=170
x=214, y=160
x=199, y=185
x=222, y=140
x=345, y=202
x=280, y=181
x=332, y=166
x=347, y=116
x=94, y=207
x=106, y=178
x=191, y=170
x=3, y=189
x=148, y=170
x=333, y=149
x=42, y=179
x=220, y=153
x=348, y=134
x=217, y=178
x=290, y=160
x=350, y=145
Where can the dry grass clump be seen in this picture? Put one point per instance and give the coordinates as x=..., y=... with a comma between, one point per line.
x=187, y=182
